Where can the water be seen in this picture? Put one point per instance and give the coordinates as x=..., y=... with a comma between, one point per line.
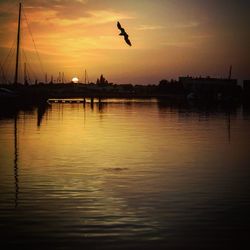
x=124, y=175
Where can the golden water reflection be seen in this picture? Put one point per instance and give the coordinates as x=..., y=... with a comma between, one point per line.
x=125, y=169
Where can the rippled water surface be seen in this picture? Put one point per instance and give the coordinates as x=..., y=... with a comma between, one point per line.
x=124, y=175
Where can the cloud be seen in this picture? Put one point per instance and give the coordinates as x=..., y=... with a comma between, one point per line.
x=150, y=27
x=178, y=44
x=187, y=25
x=106, y=16
x=62, y=9
x=74, y=10
x=191, y=41
x=63, y=15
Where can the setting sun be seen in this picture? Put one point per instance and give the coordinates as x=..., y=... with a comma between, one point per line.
x=75, y=80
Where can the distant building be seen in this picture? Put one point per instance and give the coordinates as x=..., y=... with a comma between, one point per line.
x=170, y=87
x=208, y=84
x=246, y=86
x=102, y=81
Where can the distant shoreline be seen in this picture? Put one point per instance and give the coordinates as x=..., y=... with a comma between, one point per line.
x=176, y=91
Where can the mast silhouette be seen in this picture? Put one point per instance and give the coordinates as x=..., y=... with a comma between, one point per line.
x=16, y=174
x=18, y=43
x=25, y=74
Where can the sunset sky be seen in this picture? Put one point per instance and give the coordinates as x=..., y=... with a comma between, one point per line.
x=170, y=38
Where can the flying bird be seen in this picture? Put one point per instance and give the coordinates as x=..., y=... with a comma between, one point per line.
x=123, y=33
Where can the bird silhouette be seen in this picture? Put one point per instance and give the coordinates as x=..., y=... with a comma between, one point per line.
x=123, y=33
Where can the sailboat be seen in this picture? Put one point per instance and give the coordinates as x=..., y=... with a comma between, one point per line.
x=7, y=95
x=19, y=93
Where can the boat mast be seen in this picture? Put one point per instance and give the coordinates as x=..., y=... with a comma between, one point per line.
x=18, y=43
x=25, y=74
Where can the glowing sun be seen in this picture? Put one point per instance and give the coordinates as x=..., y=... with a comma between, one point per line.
x=75, y=80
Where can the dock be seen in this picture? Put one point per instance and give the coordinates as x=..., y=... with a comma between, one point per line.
x=73, y=100
x=62, y=100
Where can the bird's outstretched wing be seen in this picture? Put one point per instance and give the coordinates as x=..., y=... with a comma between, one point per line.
x=119, y=26
x=127, y=40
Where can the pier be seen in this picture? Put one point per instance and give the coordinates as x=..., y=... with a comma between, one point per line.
x=73, y=100
x=60, y=100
